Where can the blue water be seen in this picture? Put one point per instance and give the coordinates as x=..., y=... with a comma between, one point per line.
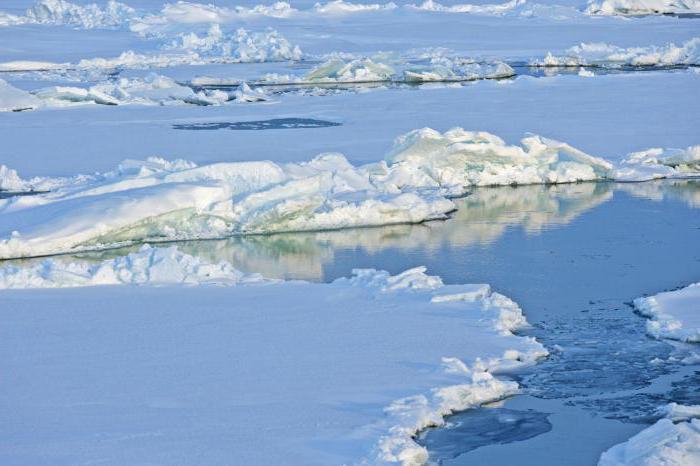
x=573, y=257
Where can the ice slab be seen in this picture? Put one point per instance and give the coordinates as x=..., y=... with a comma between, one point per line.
x=673, y=314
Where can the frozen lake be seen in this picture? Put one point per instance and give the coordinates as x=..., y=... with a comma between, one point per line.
x=574, y=257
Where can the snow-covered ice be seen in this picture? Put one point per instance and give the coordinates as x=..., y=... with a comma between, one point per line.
x=296, y=372
x=673, y=314
x=642, y=7
x=672, y=441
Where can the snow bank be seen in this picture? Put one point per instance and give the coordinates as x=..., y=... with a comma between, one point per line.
x=642, y=7
x=668, y=442
x=327, y=192
x=14, y=100
x=148, y=266
x=601, y=54
x=490, y=9
x=659, y=163
x=89, y=16
x=674, y=314
x=284, y=362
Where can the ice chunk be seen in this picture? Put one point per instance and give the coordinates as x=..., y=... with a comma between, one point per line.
x=245, y=94
x=642, y=7
x=14, y=100
x=337, y=7
x=667, y=442
x=361, y=70
x=658, y=163
x=460, y=158
x=674, y=314
x=601, y=54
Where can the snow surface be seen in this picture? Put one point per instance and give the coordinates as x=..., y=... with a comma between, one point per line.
x=668, y=442
x=296, y=372
x=158, y=201
x=13, y=99
x=605, y=55
x=673, y=314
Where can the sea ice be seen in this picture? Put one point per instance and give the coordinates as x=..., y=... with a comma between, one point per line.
x=14, y=100
x=660, y=163
x=642, y=7
x=673, y=314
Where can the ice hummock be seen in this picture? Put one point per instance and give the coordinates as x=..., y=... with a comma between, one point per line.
x=178, y=201
x=674, y=314
x=659, y=163
x=611, y=56
x=642, y=7
x=370, y=327
x=61, y=12
x=15, y=100
x=671, y=441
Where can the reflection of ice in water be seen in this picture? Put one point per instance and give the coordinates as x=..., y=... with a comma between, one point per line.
x=687, y=191
x=481, y=218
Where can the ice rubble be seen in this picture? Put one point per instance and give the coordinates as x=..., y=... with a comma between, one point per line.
x=59, y=12
x=672, y=441
x=335, y=7
x=373, y=70
x=658, y=163
x=674, y=314
x=642, y=7
x=494, y=9
x=222, y=199
x=605, y=55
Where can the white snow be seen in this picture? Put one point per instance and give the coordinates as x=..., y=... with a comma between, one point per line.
x=263, y=197
x=642, y=7
x=668, y=442
x=658, y=163
x=673, y=314
x=339, y=7
x=601, y=54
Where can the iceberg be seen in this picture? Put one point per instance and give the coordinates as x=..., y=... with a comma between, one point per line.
x=674, y=314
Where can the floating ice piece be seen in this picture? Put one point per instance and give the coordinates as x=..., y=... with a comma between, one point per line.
x=15, y=100
x=461, y=158
x=148, y=266
x=668, y=442
x=90, y=16
x=151, y=90
x=245, y=94
x=10, y=180
x=446, y=69
x=659, y=163
x=642, y=7
x=361, y=70
x=489, y=9
x=674, y=315
x=604, y=55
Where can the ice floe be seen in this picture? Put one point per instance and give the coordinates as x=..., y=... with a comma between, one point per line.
x=658, y=163
x=494, y=9
x=605, y=55
x=367, y=346
x=222, y=199
x=674, y=314
x=642, y=7
x=111, y=15
x=336, y=7
x=15, y=100
x=672, y=441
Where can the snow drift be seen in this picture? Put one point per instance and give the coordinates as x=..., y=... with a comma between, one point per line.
x=674, y=314
x=158, y=201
